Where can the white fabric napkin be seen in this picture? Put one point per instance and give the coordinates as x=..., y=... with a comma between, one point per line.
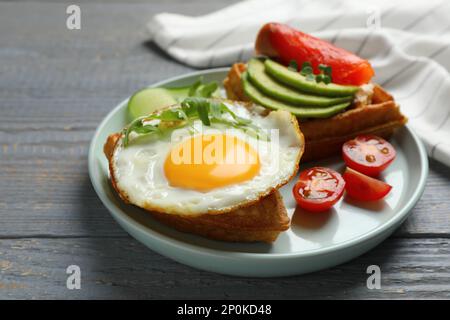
x=407, y=42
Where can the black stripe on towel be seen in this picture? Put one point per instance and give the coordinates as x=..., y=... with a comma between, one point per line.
x=433, y=149
x=383, y=15
x=443, y=122
x=412, y=63
x=415, y=22
x=430, y=100
x=416, y=89
x=219, y=39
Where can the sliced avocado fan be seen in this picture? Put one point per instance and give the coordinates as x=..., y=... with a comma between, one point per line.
x=303, y=112
x=298, y=81
x=267, y=85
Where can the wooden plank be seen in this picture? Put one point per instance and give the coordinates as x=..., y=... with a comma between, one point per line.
x=430, y=215
x=124, y=269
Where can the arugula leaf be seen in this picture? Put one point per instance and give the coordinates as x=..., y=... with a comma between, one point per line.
x=239, y=120
x=145, y=129
x=193, y=89
x=191, y=108
x=172, y=115
x=208, y=89
x=204, y=90
x=203, y=114
x=216, y=109
x=135, y=125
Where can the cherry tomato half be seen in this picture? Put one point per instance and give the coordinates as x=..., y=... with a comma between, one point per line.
x=318, y=189
x=364, y=188
x=368, y=154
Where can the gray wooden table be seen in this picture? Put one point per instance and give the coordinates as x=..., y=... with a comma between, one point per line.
x=55, y=87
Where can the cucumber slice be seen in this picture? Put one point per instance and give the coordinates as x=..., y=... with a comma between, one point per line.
x=276, y=90
x=149, y=100
x=298, y=81
x=302, y=112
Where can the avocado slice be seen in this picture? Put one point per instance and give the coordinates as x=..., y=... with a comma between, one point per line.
x=297, y=80
x=270, y=87
x=302, y=112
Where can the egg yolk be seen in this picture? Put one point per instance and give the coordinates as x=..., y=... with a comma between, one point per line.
x=205, y=162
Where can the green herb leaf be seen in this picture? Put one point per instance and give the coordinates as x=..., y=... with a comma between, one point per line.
x=145, y=129
x=216, y=109
x=310, y=77
x=319, y=77
x=325, y=73
x=203, y=114
x=306, y=68
x=189, y=109
x=192, y=108
x=326, y=79
x=208, y=89
x=133, y=126
x=293, y=65
x=239, y=120
x=325, y=69
x=172, y=115
x=193, y=90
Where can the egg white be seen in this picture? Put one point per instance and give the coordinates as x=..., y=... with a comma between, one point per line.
x=138, y=169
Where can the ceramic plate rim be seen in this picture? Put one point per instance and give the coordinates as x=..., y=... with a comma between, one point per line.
x=156, y=236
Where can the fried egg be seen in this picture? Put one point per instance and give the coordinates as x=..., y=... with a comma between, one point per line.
x=214, y=169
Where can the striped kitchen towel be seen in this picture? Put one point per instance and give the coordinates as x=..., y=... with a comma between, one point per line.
x=407, y=43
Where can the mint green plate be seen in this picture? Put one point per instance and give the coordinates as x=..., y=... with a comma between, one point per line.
x=314, y=241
